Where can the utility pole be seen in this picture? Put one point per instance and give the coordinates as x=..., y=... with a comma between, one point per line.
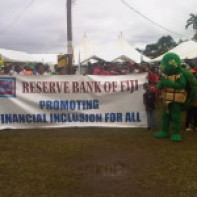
x=69, y=36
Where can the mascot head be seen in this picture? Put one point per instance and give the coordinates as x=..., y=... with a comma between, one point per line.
x=171, y=64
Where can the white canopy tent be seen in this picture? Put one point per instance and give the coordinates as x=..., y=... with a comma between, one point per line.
x=16, y=56
x=46, y=58
x=186, y=50
x=19, y=56
x=108, y=52
x=92, y=59
x=84, y=51
x=122, y=59
x=120, y=48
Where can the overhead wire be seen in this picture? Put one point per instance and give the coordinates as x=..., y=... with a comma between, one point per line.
x=17, y=17
x=148, y=19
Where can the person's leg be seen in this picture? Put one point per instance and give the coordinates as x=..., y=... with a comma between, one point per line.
x=194, y=117
x=175, y=116
x=165, y=124
x=148, y=119
x=153, y=119
x=188, y=119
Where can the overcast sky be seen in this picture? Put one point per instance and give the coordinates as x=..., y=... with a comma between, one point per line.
x=39, y=26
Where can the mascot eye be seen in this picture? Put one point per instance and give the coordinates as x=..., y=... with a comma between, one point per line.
x=162, y=67
x=173, y=63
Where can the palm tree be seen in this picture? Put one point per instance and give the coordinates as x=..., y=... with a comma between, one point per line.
x=192, y=21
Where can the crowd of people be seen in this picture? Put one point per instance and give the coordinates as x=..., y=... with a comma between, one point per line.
x=100, y=68
x=116, y=68
x=25, y=69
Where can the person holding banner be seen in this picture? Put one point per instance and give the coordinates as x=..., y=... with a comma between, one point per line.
x=149, y=100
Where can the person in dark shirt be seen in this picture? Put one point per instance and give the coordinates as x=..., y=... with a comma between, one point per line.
x=191, y=113
x=149, y=100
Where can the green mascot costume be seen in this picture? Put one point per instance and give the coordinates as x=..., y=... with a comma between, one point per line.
x=179, y=91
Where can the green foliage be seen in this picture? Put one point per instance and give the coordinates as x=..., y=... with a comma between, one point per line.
x=192, y=21
x=164, y=44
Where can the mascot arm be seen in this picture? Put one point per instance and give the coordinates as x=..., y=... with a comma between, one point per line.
x=160, y=84
x=179, y=84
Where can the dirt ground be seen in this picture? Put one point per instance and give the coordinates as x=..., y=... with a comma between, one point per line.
x=96, y=162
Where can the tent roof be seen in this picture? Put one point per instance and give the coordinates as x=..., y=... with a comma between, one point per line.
x=19, y=56
x=92, y=59
x=122, y=58
x=46, y=58
x=186, y=50
x=118, y=48
x=16, y=56
x=85, y=50
x=108, y=52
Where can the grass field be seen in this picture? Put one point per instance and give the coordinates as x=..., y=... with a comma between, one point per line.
x=96, y=162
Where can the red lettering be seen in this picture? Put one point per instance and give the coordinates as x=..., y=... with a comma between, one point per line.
x=114, y=86
x=58, y=87
x=32, y=87
x=122, y=85
x=25, y=87
x=52, y=87
x=136, y=84
x=75, y=87
x=132, y=86
x=90, y=86
x=107, y=86
x=39, y=87
x=82, y=88
x=66, y=89
x=97, y=86
x=44, y=87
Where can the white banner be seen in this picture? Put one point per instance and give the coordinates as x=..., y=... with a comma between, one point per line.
x=72, y=101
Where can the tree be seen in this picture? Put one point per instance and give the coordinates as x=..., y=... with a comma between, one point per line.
x=151, y=50
x=192, y=21
x=164, y=44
